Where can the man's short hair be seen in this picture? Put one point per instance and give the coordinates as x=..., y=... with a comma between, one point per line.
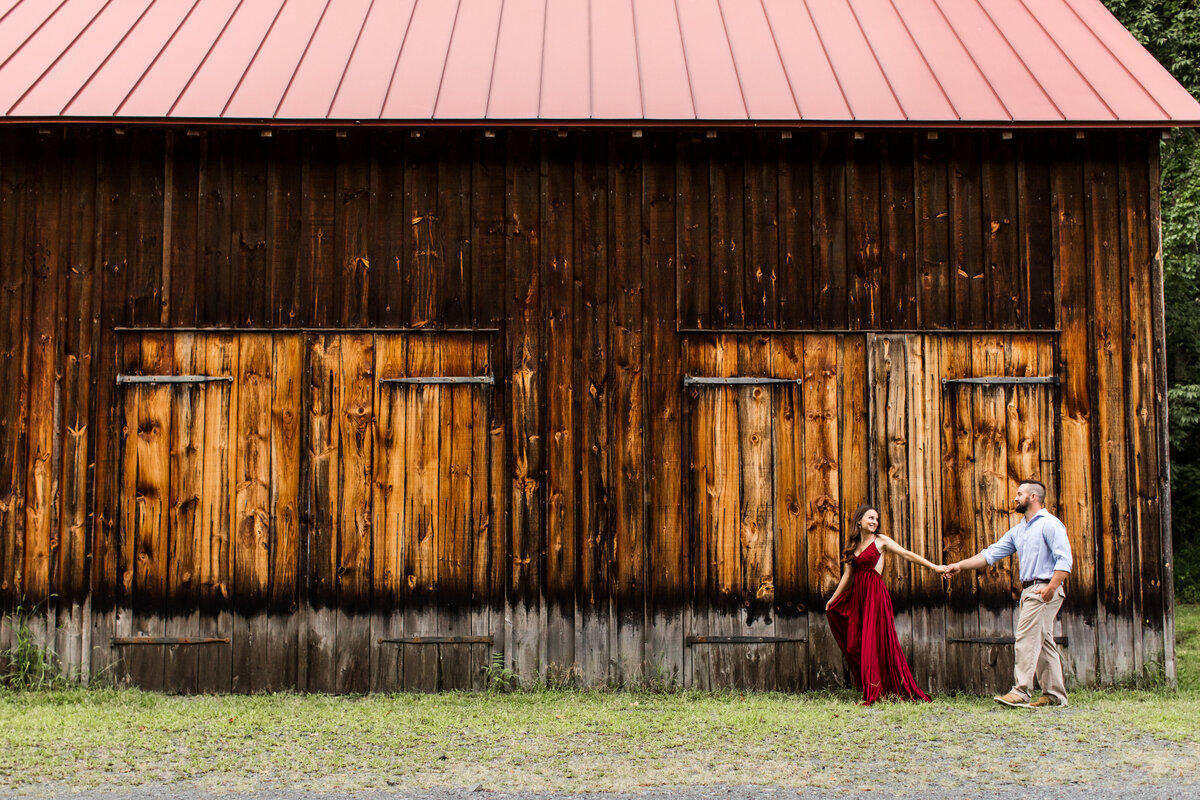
x=1038, y=488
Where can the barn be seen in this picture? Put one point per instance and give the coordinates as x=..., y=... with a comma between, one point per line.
x=363, y=345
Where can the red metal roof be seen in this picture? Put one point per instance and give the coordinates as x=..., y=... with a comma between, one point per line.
x=941, y=62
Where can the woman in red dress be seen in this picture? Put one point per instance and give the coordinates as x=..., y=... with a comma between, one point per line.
x=860, y=613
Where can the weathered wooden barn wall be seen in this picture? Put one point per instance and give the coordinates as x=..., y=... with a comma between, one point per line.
x=436, y=397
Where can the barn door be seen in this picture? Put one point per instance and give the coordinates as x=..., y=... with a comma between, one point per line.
x=172, y=624
x=742, y=450
x=998, y=429
x=435, y=560
x=957, y=422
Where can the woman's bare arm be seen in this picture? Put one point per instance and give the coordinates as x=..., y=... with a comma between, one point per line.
x=890, y=544
x=841, y=587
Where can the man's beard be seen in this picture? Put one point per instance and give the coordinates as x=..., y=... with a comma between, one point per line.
x=1022, y=506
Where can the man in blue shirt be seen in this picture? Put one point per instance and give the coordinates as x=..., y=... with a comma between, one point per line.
x=1044, y=552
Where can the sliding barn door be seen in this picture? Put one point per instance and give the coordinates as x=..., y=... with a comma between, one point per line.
x=437, y=567
x=747, y=622
x=172, y=625
x=308, y=510
x=957, y=422
x=999, y=423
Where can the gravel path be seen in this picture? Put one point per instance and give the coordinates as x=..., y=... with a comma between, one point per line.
x=1131, y=786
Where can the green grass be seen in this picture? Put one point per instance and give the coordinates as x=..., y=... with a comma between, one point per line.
x=578, y=741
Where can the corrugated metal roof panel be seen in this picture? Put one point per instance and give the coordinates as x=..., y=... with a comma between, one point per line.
x=927, y=62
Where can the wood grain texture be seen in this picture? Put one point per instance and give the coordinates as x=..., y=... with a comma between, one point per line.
x=595, y=257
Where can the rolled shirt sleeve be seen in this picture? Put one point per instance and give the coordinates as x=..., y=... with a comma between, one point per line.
x=1005, y=547
x=1060, y=545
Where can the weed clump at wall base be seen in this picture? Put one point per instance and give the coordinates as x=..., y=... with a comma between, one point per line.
x=26, y=665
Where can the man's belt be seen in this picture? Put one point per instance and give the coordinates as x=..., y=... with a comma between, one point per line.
x=1027, y=584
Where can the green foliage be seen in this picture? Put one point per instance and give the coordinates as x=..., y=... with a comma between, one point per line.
x=26, y=665
x=1187, y=572
x=499, y=677
x=1170, y=29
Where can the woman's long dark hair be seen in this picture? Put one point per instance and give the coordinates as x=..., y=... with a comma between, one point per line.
x=854, y=535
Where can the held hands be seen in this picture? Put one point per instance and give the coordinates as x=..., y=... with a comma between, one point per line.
x=950, y=570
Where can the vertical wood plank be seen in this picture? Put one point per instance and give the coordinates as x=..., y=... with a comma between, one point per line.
x=14, y=244
x=388, y=277
x=488, y=275
x=486, y=516
x=282, y=605
x=826, y=359
x=214, y=663
x=559, y=271
x=693, y=284
x=454, y=229
x=791, y=588
x=184, y=492
x=761, y=268
x=456, y=537
x=1035, y=238
x=1141, y=408
x=968, y=276
x=46, y=273
x=727, y=235
x=80, y=251
x=595, y=320
x=661, y=566
x=898, y=234
x=959, y=505
x=130, y=359
x=1076, y=487
x=1005, y=281
x=144, y=281
x=151, y=514
x=352, y=217
x=325, y=402
x=864, y=203
x=285, y=210
x=995, y=597
x=756, y=512
x=525, y=359
x=426, y=406
x=933, y=233
x=830, y=153
x=250, y=284
x=929, y=592
x=423, y=263
x=796, y=226
x=389, y=514
x=216, y=188
x=890, y=437
x=318, y=267
x=356, y=423
x=631, y=201
x=252, y=512
x=1117, y=659
x=109, y=414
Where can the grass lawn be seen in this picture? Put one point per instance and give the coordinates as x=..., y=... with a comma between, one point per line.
x=578, y=741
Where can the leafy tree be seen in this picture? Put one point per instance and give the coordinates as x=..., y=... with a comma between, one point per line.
x=1170, y=29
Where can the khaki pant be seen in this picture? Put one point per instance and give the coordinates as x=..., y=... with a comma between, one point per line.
x=1036, y=653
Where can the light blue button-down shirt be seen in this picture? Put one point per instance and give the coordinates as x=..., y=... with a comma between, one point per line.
x=1041, y=546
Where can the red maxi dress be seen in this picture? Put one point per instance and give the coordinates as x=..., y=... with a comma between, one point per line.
x=862, y=623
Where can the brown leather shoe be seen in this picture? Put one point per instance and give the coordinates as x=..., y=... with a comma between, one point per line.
x=1045, y=701
x=1012, y=699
